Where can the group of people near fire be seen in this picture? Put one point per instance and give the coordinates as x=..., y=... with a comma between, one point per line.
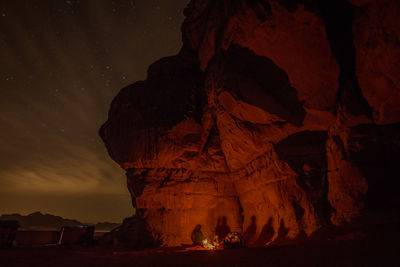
x=223, y=237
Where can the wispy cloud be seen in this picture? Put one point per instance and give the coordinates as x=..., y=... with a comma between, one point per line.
x=61, y=65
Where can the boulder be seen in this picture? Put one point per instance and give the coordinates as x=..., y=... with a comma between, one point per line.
x=269, y=121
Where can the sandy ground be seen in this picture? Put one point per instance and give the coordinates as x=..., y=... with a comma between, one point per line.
x=334, y=253
x=380, y=249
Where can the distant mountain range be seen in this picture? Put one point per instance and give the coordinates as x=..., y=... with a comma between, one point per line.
x=40, y=221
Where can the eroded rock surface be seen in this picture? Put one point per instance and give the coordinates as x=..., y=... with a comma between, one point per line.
x=266, y=122
x=377, y=40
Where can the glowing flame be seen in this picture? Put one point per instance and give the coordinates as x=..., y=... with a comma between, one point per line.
x=207, y=245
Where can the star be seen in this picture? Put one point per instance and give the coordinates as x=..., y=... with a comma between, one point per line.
x=75, y=58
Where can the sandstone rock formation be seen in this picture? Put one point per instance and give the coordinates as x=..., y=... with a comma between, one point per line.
x=273, y=120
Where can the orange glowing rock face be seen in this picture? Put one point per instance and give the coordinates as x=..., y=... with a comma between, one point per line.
x=261, y=125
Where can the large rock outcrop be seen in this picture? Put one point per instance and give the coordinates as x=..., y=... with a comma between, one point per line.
x=273, y=120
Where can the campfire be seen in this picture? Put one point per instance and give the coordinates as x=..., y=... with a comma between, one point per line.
x=232, y=240
x=208, y=245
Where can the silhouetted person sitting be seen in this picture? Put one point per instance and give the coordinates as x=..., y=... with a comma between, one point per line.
x=267, y=234
x=250, y=234
x=197, y=236
x=222, y=229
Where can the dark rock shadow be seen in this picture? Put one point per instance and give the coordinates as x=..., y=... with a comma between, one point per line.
x=375, y=150
x=142, y=112
x=133, y=233
x=258, y=81
x=136, y=184
x=305, y=152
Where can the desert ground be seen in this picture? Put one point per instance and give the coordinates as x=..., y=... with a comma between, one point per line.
x=380, y=248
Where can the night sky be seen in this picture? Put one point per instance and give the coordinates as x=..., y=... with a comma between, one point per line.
x=61, y=64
